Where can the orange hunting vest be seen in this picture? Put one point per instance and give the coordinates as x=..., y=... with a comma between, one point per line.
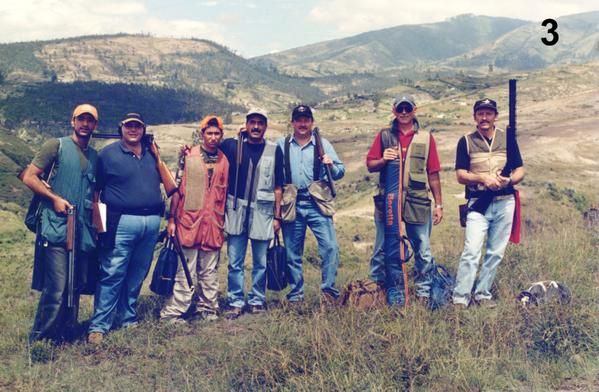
x=200, y=215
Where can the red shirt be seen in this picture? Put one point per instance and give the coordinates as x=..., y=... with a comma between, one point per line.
x=433, y=164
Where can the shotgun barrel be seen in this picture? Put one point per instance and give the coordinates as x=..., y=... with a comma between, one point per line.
x=321, y=153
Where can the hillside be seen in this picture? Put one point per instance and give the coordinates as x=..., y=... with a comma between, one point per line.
x=189, y=64
x=466, y=41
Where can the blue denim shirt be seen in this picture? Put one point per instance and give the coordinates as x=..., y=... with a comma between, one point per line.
x=302, y=161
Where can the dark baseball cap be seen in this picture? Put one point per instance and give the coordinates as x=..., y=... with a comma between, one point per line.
x=485, y=104
x=133, y=117
x=301, y=111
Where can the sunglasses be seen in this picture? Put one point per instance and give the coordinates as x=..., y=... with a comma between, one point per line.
x=404, y=108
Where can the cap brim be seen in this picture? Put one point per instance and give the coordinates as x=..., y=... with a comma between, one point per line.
x=133, y=119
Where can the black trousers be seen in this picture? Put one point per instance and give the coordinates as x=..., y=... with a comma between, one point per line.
x=53, y=320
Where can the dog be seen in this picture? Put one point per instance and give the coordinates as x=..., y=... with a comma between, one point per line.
x=544, y=292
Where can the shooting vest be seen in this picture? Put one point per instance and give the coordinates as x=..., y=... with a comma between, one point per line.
x=76, y=185
x=484, y=157
x=262, y=197
x=416, y=203
x=201, y=209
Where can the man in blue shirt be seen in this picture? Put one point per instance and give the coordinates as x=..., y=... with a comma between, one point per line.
x=303, y=159
x=129, y=175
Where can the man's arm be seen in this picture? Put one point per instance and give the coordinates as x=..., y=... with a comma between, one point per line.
x=31, y=178
x=434, y=181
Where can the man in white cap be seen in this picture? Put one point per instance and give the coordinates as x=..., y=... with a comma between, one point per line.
x=252, y=209
x=69, y=165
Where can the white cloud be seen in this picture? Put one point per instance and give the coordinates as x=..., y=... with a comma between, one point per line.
x=354, y=16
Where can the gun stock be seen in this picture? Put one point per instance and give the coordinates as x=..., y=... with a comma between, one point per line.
x=321, y=153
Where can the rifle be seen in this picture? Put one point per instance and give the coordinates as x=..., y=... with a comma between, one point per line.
x=238, y=159
x=484, y=201
x=319, y=146
x=71, y=244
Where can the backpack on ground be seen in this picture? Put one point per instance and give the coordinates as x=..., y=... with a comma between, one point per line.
x=442, y=284
x=363, y=294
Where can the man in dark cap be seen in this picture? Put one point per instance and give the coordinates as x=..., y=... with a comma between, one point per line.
x=480, y=157
x=305, y=169
x=69, y=164
x=420, y=169
x=128, y=180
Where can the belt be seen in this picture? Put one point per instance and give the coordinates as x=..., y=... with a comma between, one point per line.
x=143, y=211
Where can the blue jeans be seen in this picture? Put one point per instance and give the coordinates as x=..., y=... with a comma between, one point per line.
x=496, y=223
x=377, y=261
x=294, y=234
x=419, y=235
x=123, y=270
x=236, y=248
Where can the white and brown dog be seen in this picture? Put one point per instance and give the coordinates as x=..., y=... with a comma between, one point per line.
x=543, y=292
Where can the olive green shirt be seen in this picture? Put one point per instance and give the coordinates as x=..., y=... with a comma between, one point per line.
x=49, y=152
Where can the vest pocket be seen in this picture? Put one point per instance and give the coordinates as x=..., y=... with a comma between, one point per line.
x=417, y=207
x=417, y=158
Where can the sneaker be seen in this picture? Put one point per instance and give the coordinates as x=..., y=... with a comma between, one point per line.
x=232, y=312
x=486, y=303
x=257, y=309
x=95, y=338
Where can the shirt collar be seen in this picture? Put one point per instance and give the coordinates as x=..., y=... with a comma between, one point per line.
x=125, y=150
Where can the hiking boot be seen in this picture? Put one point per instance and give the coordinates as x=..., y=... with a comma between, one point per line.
x=257, y=309
x=486, y=303
x=232, y=312
x=174, y=321
x=327, y=301
x=95, y=338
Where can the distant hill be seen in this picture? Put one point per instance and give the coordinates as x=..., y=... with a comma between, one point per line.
x=465, y=41
x=395, y=46
x=522, y=49
x=189, y=64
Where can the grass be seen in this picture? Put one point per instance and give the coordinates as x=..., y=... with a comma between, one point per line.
x=506, y=348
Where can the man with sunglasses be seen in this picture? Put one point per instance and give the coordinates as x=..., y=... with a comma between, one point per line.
x=420, y=169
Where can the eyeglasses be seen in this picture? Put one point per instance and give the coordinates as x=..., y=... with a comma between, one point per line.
x=404, y=108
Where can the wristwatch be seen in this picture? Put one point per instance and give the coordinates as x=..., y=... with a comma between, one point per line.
x=439, y=206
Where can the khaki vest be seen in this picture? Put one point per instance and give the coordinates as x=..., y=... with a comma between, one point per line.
x=417, y=205
x=484, y=157
x=201, y=209
x=261, y=208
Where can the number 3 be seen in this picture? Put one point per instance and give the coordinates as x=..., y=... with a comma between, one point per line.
x=552, y=30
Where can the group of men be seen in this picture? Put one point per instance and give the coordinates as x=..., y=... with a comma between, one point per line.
x=236, y=188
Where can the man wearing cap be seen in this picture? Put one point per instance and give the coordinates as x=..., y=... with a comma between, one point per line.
x=70, y=165
x=305, y=167
x=480, y=157
x=129, y=175
x=252, y=209
x=420, y=169
x=197, y=214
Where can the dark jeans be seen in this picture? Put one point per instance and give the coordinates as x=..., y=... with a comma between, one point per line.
x=53, y=320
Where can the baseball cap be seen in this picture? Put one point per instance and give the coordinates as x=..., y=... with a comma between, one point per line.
x=133, y=117
x=485, y=104
x=258, y=111
x=85, y=108
x=301, y=111
x=404, y=98
x=211, y=121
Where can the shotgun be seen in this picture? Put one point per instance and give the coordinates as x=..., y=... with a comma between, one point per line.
x=321, y=153
x=71, y=244
x=484, y=201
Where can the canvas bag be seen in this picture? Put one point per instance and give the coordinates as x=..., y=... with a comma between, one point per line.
x=276, y=266
x=163, y=278
x=363, y=294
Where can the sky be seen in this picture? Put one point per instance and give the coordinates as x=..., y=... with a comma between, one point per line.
x=252, y=27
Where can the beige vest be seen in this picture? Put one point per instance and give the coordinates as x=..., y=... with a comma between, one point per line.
x=486, y=157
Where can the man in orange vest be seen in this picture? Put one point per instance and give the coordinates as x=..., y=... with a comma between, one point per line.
x=197, y=215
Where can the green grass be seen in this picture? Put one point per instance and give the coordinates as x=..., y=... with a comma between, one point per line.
x=506, y=348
